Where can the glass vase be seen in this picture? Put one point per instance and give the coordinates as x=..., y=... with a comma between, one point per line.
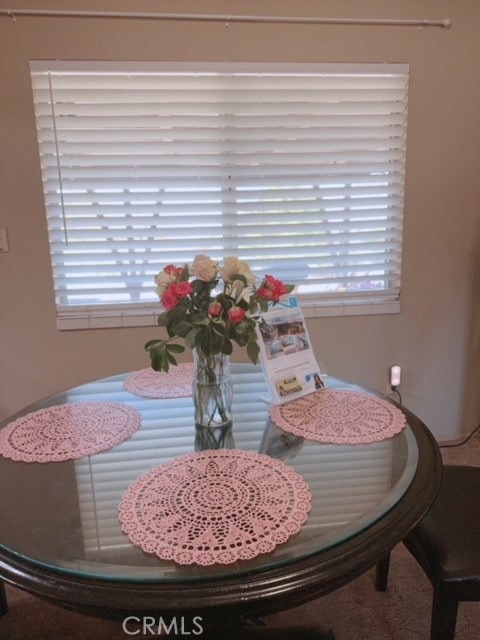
x=212, y=399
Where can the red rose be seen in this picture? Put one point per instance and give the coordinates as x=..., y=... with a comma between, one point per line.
x=181, y=289
x=236, y=315
x=174, y=273
x=169, y=299
x=171, y=270
x=215, y=309
x=264, y=293
x=272, y=289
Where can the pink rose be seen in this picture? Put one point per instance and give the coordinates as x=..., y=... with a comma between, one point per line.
x=236, y=315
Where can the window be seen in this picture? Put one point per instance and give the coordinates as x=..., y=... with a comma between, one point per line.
x=298, y=169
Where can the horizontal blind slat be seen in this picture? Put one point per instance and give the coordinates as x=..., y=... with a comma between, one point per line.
x=303, y=166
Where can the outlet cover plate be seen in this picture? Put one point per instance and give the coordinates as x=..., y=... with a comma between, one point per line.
x=3, y=240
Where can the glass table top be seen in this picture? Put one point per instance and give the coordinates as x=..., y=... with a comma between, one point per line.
x=64, y=515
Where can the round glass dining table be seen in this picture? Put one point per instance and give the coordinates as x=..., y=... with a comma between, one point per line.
x=61, y=539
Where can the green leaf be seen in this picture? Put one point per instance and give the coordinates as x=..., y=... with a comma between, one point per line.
x=202, y=288
x=161, y=354
x=169, y=357
x=253, y=351
x=241, y=339
x=191, y=338
x=178, y=313
x=227, y=348
x=182, y=328
x=205, y=345
x=216, y=341
x=164, y=362
x=175, y=348
x=156, y=359
x=156, y=365
x=163, y=319
x=153, y=344
x=210, y=342
x=185, y=274
x=199, y=318
x=199, y=336
x=219, y=328
x=253, y=307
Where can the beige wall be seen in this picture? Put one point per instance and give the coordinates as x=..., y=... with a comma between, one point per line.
x=435, y=337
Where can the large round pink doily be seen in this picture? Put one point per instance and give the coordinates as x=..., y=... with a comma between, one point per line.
x=68, y=431
x=177, y=383
x=215, y=506
x=339, y=417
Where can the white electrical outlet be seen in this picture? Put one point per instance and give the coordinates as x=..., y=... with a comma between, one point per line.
x=3, y=240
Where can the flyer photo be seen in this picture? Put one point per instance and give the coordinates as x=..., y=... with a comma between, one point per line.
x=286, y=355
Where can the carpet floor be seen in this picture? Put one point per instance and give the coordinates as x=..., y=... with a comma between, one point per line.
x=354, y=612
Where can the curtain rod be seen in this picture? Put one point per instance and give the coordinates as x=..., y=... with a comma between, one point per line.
x=196, y=17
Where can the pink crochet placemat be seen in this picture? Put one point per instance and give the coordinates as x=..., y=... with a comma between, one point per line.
x=68, y=431
x=177, y=383
x=339, y=417
x=215, y=506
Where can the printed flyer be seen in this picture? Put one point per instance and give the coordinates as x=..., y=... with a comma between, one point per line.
x=286, y=355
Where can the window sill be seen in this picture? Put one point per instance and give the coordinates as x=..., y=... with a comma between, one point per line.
x=121, y=319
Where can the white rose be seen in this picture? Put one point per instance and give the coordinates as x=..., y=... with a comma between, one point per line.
x=163, y=280
x=246, y=272
x=230, y=267
x=204, y=268
x=233, y=266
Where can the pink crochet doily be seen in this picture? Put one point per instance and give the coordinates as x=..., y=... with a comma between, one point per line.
x=215, y=506
x=339, y=417
x=177, y=383
x=68, y=431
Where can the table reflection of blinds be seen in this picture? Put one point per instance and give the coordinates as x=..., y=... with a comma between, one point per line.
x=345, y=481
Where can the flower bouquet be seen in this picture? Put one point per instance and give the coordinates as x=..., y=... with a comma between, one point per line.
x=207, y=315
x=211, y=306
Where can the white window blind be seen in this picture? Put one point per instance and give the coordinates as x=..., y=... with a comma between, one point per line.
x=298, y=169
